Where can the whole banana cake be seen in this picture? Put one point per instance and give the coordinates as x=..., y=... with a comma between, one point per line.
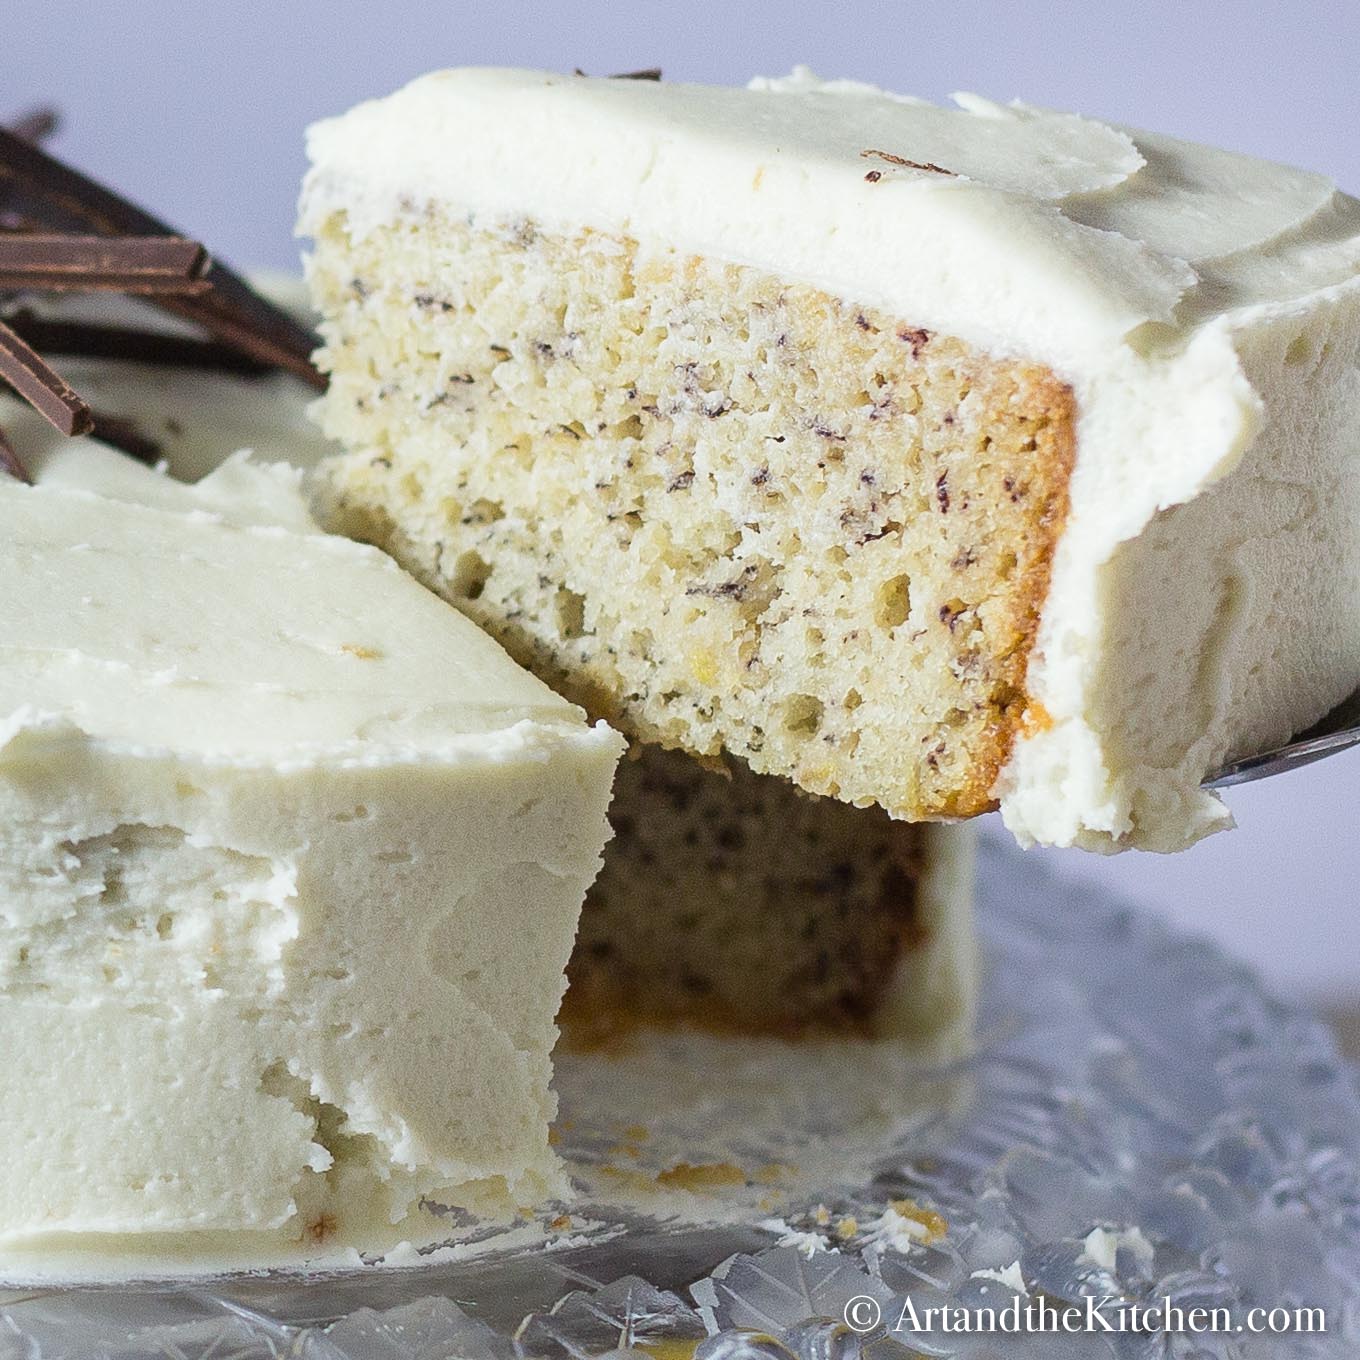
x=934, y=458
x=729, y=899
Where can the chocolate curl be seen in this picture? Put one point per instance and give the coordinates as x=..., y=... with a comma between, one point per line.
x=24, y=369
x=38, y=189
x=9, y=461
x=37, y=125
x=103, y=264
x=129, y=344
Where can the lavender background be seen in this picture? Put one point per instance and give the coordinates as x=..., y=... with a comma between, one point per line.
x=198, y=111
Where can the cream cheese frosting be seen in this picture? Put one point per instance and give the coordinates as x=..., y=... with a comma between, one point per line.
x=1202, y=305
x=291, y=857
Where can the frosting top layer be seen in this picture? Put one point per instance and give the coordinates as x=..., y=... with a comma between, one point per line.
x=852, y=187
x=217, y=620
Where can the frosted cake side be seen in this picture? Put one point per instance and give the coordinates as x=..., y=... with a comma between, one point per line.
x=293, y=859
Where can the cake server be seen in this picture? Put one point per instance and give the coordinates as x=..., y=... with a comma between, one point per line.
x=1338, y=731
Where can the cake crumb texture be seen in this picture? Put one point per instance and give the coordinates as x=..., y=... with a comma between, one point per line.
x=722, y=510
x=734, y=900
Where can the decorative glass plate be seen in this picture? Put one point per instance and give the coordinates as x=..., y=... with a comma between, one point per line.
x=1140, y=1124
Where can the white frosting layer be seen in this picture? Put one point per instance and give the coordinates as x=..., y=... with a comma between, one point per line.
x=1203, y=306
x=227, y=627
x=291, y=858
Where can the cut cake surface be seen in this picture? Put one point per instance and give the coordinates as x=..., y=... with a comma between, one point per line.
x=930, y=458
x=731, y=900
x=739, y=903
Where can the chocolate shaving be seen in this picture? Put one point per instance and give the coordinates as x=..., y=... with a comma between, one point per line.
x=36, y=126
x=123, y=434
x=62, y=232
x=22, y=367
x=9, y=461
x=911, y=165
x=36, y=188
x=89, y=340
x=647, y=73
x=119, y=264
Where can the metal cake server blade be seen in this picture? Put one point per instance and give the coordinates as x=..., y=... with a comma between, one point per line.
x=1338, y=731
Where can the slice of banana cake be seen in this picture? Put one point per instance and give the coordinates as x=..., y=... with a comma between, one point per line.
x=933, y=458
